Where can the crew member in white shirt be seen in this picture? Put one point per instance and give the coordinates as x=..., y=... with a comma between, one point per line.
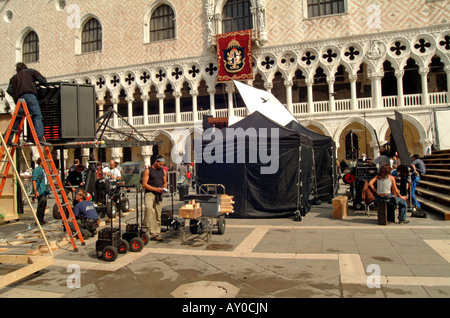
x=112, y=172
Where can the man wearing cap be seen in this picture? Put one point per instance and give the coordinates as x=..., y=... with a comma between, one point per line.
x=154, y=182
x=85, y=213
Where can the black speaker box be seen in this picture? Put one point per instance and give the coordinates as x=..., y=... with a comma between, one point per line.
x=68, y=111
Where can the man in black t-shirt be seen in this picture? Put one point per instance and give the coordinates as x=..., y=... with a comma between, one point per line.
x=155, y=183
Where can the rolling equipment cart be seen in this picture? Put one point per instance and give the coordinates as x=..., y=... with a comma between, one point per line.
x=208, y=210
x=134, y=233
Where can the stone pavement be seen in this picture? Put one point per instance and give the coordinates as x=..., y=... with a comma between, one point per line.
x=319, y=257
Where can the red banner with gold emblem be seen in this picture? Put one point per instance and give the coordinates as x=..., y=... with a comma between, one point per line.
x=234, y=56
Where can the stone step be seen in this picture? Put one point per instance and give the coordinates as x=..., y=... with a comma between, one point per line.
x=438, y=166
x=441, y=172
x=436, y=160
x=433, y=191
x=443, y=152
x=436, y=196
x=431, y=206
x=436, y=178
x=438, y=187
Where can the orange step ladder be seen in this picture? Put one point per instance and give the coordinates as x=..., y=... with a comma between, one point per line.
x=53, y=178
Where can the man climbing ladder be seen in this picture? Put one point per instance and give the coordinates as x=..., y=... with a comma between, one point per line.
x=54, y=180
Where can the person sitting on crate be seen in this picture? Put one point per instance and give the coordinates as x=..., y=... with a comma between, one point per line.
x=387, y=191
x=154, y=182
x=86, y=214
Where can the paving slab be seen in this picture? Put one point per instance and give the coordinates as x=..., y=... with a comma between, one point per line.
x=319, y=257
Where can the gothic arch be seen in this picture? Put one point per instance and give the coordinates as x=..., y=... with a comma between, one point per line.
x=423, y=135
x=19, y=42
x=354, y=119
x=79, y=31
x=220, y=4
x=317, y=124
x=148, y=15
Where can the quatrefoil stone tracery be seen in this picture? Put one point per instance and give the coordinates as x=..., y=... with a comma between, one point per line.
x=422, y=45
x=287, y=60
x=351, y=53
x=115, y=81
x=398, y=48
x=160, y=75
x=267, y=63
x=176, y=73
x=193, y=71
x=211, y=69
x=144, y=77
x=100, y=82
x=329, y=56
x=129, y=79
x=445, y=43
x=308, y=58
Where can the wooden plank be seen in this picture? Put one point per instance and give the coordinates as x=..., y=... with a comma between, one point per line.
x=14, y=259
x=35, y=264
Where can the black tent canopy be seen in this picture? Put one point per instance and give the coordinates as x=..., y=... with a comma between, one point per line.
x=323, y=151
x=268, y=171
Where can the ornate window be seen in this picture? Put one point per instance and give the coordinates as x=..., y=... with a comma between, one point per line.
x=30, y=48
x=162, y=23
x=318, y=8
x=237, y=16
x=91, y=36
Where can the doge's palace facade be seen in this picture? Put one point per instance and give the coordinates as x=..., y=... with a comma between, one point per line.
x=340, y=66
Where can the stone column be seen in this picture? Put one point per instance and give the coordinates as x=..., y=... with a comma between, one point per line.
x=100, y=105
x=309, y=85
x=130, y=110
x=161, y=107
x=400, y=99
x=145, y=99
x=330, y=81
x=268, y=87
x=147, y=152
x=288, y=85
x=194, y=94
x=212, y=102
x=375, y=81
x=447, y=71
x=115, y=102
x=354, y=99
x=230, y=90
x=177, y=96
x=84, y=156
x=117, y=154
x=424, y=76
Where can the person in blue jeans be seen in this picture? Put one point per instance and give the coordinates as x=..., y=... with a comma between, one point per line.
x=23, y=86
x=387, y=191
x=41, y=190
x=419, y=169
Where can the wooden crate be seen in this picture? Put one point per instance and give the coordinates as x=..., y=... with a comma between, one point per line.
x=194, y=213
x=340, y=207
x=192, y=210
x=226, y=204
